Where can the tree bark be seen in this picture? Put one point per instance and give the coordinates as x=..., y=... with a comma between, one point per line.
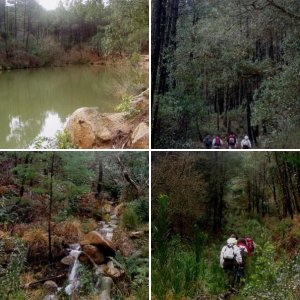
x=50, y=255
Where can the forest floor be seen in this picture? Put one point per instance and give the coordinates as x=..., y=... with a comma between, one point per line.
x=97, y=232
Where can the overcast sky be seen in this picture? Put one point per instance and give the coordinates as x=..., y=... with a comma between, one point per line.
x=49, y=4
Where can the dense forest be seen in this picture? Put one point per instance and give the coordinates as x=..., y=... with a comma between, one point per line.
x=74, y=225
x=200, y=199
x=220, y=66
x=76, y=32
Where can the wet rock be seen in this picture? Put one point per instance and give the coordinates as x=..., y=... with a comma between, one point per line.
x=50, y=286
x=136, y=234
x=106, y=286
x=88, y=128
x=94, y=253
x=68, y=260
x=96, y=239
x=140, y=136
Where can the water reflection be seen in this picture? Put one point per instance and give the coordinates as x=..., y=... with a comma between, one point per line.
x=16, y=129
x=52, y=124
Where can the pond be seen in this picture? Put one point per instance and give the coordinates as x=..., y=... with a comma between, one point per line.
x=36, y=102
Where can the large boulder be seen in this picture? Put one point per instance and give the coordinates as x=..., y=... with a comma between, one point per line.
x=94, y=253
x=88, y=128
x=140, y=136
x=96, y=239
x=87, y=260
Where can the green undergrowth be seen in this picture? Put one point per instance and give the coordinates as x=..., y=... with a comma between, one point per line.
x=188, y=268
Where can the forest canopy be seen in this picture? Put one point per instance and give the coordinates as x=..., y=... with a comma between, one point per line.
x=77, y=28
x=221, y=66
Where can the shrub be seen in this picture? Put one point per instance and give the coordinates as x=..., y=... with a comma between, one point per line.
x=88, y=225
x=142, y=209
x=130, y=219
x=88, y=280
x=63, y=140
x=127, y=107
x=262, y=272
x=10, y=285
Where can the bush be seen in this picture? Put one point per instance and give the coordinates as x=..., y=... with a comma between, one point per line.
x=142, y=209
x=87, y=280
x=130, y=219
x=88, y=225
x=262, y=273
x=10, y=285
x=63, y=140
x=127, y=107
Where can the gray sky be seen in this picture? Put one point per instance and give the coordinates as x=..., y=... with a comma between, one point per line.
x=49, y=4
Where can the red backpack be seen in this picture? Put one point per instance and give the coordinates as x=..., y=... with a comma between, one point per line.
x=231, y=139
x=249, y=245
x=218, y=141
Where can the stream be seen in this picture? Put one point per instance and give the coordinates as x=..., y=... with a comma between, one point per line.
x=104, y=284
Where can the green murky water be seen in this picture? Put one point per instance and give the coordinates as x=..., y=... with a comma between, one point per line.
x=37, y=102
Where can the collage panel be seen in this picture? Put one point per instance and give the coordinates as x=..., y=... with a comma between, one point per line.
x=74, y=74
x=225, y=225
x=225, y=71
x=74, y=225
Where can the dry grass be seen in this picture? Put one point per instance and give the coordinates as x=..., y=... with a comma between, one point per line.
x=69, y=230
x=37, y=241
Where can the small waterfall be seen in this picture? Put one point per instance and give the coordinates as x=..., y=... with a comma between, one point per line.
x=73, y=279
x=107, y=228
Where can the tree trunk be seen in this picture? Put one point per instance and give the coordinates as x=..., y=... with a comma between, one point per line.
x=100, y=180
x=50, y=256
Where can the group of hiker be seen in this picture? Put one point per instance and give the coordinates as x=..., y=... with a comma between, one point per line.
x=233, y=258
x=231, y=141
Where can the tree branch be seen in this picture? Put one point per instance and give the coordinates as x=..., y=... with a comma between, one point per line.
x=283, y=10
x=127, y=176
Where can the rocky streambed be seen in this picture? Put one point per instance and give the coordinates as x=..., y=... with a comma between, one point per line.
x=95, y=251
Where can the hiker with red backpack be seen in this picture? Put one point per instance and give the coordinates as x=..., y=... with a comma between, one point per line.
x=231, y=260
x=217, y=142
x=247, y=247
x=231, y=141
